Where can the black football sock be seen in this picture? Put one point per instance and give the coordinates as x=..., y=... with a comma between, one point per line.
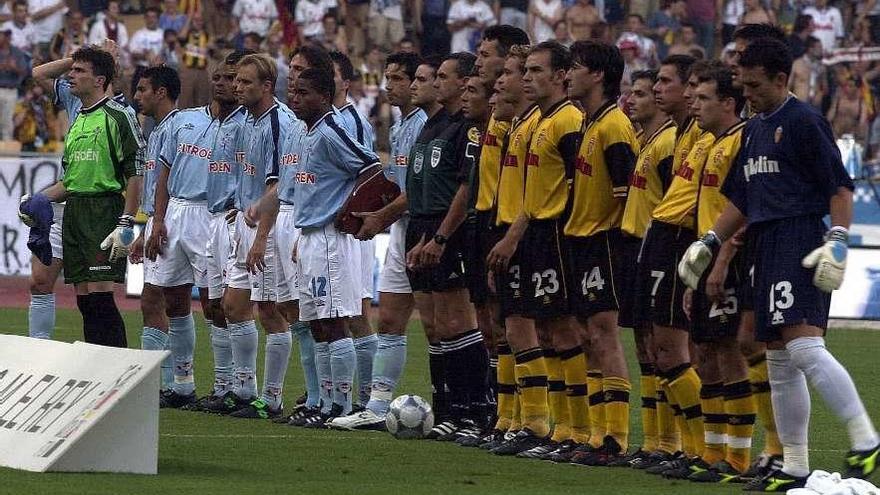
x=109, y=320
x=438, y=382
x=90, y=331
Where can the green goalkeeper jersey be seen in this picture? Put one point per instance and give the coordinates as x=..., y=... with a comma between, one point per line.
x=102, y=150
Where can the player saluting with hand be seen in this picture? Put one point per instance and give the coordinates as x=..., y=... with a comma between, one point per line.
x=788, y=176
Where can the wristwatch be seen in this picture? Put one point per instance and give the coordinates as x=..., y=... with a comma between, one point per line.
x=440, y=239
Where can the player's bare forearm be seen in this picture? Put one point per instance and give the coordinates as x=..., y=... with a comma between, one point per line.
x=56, y=193
x=45, y=74
x=457, y=212
x=269, y=205
x=841, y=208
x=133, y=195
x=730, y=221
x=726, y=252
x=518, y=228
x=162, y=196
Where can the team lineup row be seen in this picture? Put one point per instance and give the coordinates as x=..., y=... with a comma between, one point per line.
x=537, y=217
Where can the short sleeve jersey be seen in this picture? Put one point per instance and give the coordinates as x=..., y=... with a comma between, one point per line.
x=685, y=138
x=223, y=136
x=443, y=157
x=489, y=167
x=322, y=164
x=718, y=165
x=788, y=166
x=606, y=158
x=102, y=150
x=550, y=161
x=356, y=125
x=649, y=180
x=403, y=135
x=678, y=206
x=153, y=158
x=259, y=156
x=511, y=185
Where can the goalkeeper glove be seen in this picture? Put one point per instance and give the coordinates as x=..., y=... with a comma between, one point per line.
x=829, y=260
x=119, y=241
x=697, y=258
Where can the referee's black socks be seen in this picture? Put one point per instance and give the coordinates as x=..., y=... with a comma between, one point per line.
x=102, y=322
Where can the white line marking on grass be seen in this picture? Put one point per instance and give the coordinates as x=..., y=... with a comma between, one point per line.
x=178, y=435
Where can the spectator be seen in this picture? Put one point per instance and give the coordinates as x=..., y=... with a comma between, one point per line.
x=363, y=103
x=355, y=15
x=663, y=25
x=848, y=112
x=22, y=30
x=257, y=16
x=543, y=15
x=733, y=12
x=701, y=13
x=47, y=17
x=170, y=54
x=171, y=18
x=333, y=38
x=808, y=79
x=686, y=42
x=386, y=23
x=195, y=80
x=635, y=31
x=755, y=13
x=827, y=24
x=581, y=19
x=252, y=42
x=70, y=38
x=629, y=49
x=218, y=17
x=512, y=12
x=432, y=27
x=273, y=47
x=34, y=120
x=407, y=45
x=466, y=21
x=602, y=32
x=871, y=12
x=797, y=40
x=861, y=34
x=110, y=27
x=146, y=45
x=560, y=34
x=13, y=69
x=372, y=71
x=309, y=15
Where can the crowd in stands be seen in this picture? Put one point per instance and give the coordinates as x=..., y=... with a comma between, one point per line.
x=192, y=35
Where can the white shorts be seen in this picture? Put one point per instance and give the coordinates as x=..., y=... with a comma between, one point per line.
x=393, y=278
x=217, y=249
x=263, y=285
x=55, y=230
x=329, y=276
x=183, y=260
x=368, y=263
x=286, y=237
x=150, y=266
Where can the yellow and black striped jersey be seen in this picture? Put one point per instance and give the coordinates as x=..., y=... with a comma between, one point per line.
x=650, y=180
x=550, y=161
x=490, y=157
x=606, y=158
x=511, y=185
x=680, y=202
x=720, y=158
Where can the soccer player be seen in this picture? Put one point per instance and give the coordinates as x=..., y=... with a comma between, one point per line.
x=537, y=231
x=787, y=177
x=97, y=226
x=437, y=195
x=257, y=167
x=605, y=161
x=396, y=300
x=648, y=184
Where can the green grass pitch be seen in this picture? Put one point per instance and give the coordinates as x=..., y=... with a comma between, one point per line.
x=204, y=454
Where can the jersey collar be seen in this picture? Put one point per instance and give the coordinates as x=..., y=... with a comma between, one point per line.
x=168, y=117
x=666, y=125
x=323, y=117
x=765, y=116
x=412, y=113
x=267, y=112
x=526, y=115
x=207, y=107
x=556, y=106
x=96, y=106
x=603, y=110
x=731, y=130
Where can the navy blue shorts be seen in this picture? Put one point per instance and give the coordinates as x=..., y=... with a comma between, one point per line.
x=747, y=274
x=784, y=294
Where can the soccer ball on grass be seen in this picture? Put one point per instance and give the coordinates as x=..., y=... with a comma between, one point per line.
x=409, y=417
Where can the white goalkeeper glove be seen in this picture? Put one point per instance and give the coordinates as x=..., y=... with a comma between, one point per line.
x=119, y=241
x=697, y=258
x=829, y=260
x=25, y=219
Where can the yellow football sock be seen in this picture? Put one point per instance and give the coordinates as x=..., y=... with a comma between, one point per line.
x=648, y=389
x=574, y=367
x=516, y=418
x=714, y=421
x=506, y=387
x=684, y=383
x=531, y=375
x=597, y=407
x=556, y=397
x=616, y=391
x=668, y=436
x=741, y=410
x=760, y=382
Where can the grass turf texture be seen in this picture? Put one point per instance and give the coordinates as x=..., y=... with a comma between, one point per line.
x=199, y=453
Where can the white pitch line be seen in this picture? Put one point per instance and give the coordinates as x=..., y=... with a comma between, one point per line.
x=281, y=437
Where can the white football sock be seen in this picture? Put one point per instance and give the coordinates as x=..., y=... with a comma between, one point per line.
x=791, y=409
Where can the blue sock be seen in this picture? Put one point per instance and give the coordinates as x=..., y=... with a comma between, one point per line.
x=388, y=366
x=277, y=358
x=342, y=364
x=222, y=346
x=307, y=360
x=322, y=365
x=41, y=316
x=365, y=350
x=244, y=358
x=153, y=339
x=182, y=340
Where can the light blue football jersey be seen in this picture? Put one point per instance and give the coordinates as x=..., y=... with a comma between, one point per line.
x=72, y=104
x=324, y=164
x=356, y=125
x=223, y=137
x=258, y=159
x=155, y=145
x=187, y=154
x=403, y=134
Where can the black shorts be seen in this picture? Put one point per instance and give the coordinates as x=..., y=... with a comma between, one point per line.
x=481, y=237
x=447, y=275
x=542, y=270
x=509, y=285
x=594, y=271
x=628, y=290
x=747, y=273
x=713, y=321
x=87, y=221
x=663, y=248
x=784, y=293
